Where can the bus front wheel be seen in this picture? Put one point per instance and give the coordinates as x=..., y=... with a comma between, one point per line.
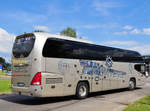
x=82, y=90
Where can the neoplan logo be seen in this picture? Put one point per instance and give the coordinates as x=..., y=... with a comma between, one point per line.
x=109, y=62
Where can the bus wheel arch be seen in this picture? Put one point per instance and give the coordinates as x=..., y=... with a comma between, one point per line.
x=82, y=89
x=132, y=83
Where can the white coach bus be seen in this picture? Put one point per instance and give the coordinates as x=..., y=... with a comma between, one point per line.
x=48, y=65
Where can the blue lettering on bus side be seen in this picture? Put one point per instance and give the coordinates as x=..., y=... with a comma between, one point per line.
x=91, y=68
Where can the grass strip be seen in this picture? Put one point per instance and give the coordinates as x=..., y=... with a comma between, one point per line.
x=5, y=86
x=141, y=105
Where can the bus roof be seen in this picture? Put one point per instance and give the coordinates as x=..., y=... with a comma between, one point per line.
x=49, y=35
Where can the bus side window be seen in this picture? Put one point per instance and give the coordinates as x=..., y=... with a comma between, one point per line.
x=140, y=68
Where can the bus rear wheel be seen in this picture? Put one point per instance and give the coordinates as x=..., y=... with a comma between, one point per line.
x=132, y=84
x=82, y=90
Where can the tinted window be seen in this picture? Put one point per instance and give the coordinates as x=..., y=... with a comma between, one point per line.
x=59, y=48
x=23, y=46
x=140, y=68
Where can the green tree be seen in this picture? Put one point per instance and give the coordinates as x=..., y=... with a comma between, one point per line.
x=69, y=32
x=38, y=31
x=5, y=65
x=2, y=61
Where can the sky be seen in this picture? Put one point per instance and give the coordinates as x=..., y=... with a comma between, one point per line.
x=117, y=23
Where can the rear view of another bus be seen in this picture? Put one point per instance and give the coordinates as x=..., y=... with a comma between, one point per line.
x=22, y=70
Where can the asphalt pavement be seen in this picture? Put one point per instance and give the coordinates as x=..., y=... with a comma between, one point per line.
x=115, y=100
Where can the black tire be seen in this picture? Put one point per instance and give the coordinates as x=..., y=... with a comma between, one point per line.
x=82, y=90
x=132, y=84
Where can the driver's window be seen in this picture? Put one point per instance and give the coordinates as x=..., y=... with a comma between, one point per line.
x=140, y=68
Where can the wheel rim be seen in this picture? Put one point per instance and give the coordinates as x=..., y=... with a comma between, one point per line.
x=82, y=91
x=131, y=85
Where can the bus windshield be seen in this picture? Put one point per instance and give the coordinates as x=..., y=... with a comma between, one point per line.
x=23, y=46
